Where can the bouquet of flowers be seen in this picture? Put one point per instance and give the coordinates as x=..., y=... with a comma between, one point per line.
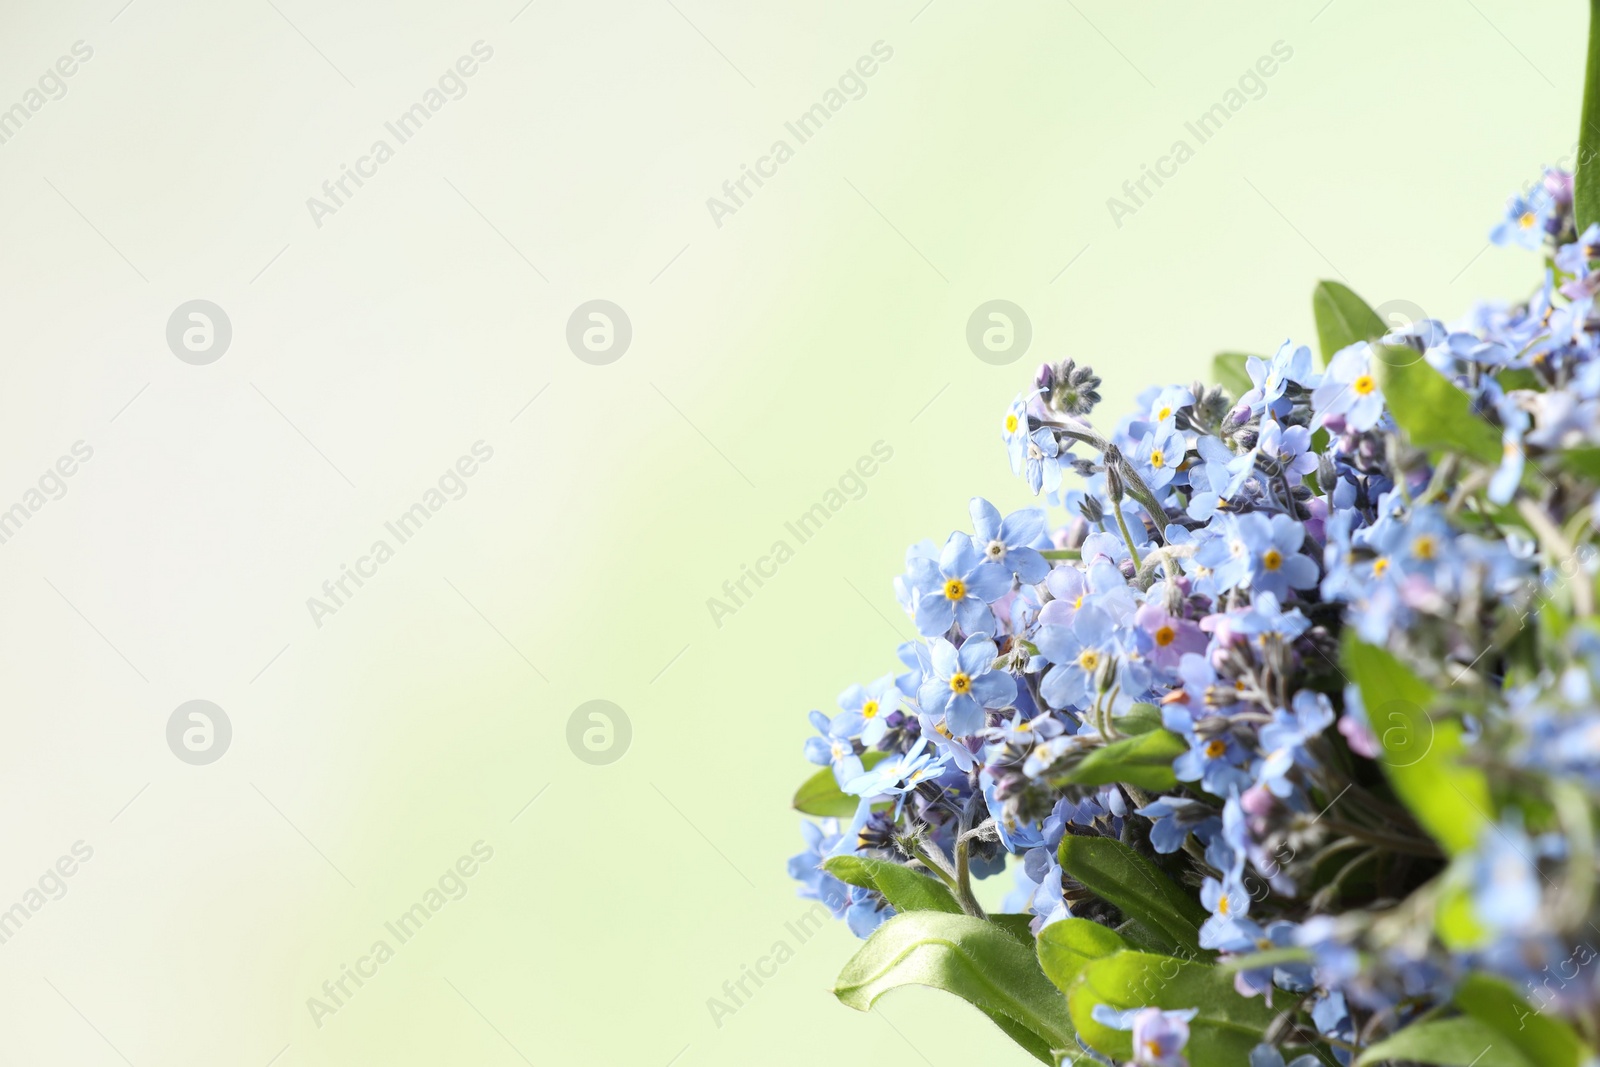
x=1287, y=721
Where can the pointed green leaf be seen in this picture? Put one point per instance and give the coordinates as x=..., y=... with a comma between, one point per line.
x=975, y=960
x=1067, y=944
x=1112, y=871
x=1227, y=1027
x=1461, y=1042
x=1422, y=753
x=1544, y=1039
x=1227, y=370
x=1431, y=410
x=903, y=888
x=821, y=796
x=1586, y=191
x=1343, y=318
x=1144, y=760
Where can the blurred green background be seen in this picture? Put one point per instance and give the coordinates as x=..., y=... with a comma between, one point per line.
x=827, y=313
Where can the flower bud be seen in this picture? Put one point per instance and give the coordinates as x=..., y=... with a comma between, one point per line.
x=1115, y=488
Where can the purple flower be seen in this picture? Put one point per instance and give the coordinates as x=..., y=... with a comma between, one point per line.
x=1158, y=1036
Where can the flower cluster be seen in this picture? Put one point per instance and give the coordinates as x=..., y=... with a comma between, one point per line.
x=1315, y=648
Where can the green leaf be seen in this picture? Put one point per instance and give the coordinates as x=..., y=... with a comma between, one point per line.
x=1144, y=760
x=1431, y=410
x=1519, y=378
x=1460, y=1042
x=1019, y=924
x=1067, y=944
x=821, y=796
x=1422, y=755
x=975, y=960
x=902, y=887
x=1547, y=1041
x=1586, y=191
x=1343, y=318
x=1584, y=462
x=1227, y=370
x=1112, y=871
x=1227, y=1027
x=1139, y=719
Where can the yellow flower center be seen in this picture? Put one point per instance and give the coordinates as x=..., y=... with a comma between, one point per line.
x=1165, y=636
x=961, y=682
x=1272, y=559
x=1364, y=385
x=1158, y=458
x=955, y=589
x=1526, y=219
x=1379, y=565
x=1012, y=422
x=869, y=710
x=1424, y=547
x=1077, y=602
x=1223, y=906
x=1163, y=413
x=1088, y=659
x=1215, y=749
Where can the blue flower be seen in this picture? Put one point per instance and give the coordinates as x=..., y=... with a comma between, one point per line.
x=1267, y=1056
x=1211, y=479
x=1016, y=434
x=1350, y=388
x=1041, y=463
x=898, y=775
x=1175, y=818
x=1288, y=447
x=1525, y=219
x=1286, y=739
x=1215, y=758
x=834, y=748
x=1506, y=893
x=1076, y=653
x=963, y=683
x=867, y=710
x=958, y=588
x=806, y=867
x=1010, y=542
x=1270, y=379
x=1159, y=454
x=1574, y=259
x=1261, y=550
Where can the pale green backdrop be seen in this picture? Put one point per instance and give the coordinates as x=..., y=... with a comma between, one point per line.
x=373, y=345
